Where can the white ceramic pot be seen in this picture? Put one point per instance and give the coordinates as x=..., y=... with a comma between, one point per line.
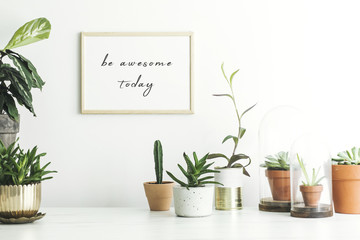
x=228, y=196
x=193, y=202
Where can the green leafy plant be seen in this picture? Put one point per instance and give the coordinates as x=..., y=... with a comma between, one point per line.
x=18, y=167
x=279, y=161
x=158, y=158
x=346, y=157
x=194, y=171
x=232, y=160
x=314, y=178
x=17, y=82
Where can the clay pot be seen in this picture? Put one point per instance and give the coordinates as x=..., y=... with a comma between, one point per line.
x=346, y=188
x=279, y=182
x=159, y=196
x=311, y=194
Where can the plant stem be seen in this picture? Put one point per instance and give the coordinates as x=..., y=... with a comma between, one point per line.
x=237, y=115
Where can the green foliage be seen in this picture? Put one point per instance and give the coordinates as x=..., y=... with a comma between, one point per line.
x=314, y=177
x=279, y=161
x=158, y=158
x=232, y=160
x=351, y=157
x=18, y=167
x=194, y=171
x=17, y=81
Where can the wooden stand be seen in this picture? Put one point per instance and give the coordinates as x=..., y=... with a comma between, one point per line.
x=270, y=205
x=301, y=211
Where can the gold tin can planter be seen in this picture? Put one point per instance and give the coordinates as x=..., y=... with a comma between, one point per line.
x=228, y=198
x=20, y=200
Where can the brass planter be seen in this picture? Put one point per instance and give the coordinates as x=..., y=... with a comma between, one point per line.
x=20, y=200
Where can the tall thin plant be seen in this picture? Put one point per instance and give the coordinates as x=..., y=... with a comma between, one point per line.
x=232, y=160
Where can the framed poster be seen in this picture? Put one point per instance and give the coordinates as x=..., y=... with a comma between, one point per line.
x=136, y=72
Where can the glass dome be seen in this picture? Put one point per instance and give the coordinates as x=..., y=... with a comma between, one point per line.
x=278, y=130
x=310, y=170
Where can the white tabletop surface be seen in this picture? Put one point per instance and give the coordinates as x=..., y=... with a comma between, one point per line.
x=134, y=223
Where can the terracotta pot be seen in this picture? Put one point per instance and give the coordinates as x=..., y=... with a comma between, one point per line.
x=159, y=196
x=279, y=181
x=311, y=194
x=346, y=188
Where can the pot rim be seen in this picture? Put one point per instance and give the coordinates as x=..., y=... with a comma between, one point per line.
x=154, y=183
x=14, y=185
x=205, y=186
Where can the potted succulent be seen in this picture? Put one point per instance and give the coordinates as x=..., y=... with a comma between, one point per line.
x=194, y=198
x=20, y=181
x=17, y=80
x=229, y=196
x=278, y=174
x=159, y=192
x=311, y=189
x=346, y=181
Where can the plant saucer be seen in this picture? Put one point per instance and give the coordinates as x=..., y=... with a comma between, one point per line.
x=22, y=220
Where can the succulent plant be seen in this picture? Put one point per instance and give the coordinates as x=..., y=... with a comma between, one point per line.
x=314, y=181
x=279, y=161
x=348, y=157
x=18, y=167
x=194, y=171
x=16, y=82
x=234, y=158
x=158, y=158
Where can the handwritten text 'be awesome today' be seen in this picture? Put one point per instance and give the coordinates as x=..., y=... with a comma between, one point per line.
x=123, y=84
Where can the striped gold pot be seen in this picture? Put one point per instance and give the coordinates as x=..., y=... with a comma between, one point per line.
x=19, y=200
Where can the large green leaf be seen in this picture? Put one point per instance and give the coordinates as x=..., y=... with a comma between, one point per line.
x=33, y=31
x=23, y=69
x=10, y=107
x=37, y=81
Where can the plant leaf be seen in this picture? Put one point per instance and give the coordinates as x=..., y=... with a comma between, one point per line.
x=222, y=69
x=33, y=31
x=230, y=136
x=247, y=110
x=176, y=180
x=217, y=155
x=242, y=132
x=232, y=76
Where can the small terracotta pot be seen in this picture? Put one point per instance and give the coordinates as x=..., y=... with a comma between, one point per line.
x=279, y=182
x=311, y=194
x=159, y=196
x=346, y=188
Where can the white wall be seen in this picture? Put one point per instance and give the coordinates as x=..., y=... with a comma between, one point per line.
x=304, y=53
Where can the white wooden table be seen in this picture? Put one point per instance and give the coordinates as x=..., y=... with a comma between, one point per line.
x=133, y=223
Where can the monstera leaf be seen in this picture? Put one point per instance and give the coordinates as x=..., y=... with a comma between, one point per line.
x=33, y=31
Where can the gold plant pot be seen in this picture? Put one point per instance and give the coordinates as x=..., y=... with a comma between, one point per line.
x=20, y=200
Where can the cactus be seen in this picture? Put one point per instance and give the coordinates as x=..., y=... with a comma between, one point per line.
x=280, y=161
x=158, y=158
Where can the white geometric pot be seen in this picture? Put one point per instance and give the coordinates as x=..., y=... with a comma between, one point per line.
x=193, y=202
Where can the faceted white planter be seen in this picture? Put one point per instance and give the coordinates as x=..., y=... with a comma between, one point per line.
x=228, y=196
x=195, y=202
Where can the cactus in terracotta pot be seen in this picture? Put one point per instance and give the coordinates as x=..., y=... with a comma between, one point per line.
x=159, y=192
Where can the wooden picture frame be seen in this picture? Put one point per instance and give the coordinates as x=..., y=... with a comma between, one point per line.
x=137, y=73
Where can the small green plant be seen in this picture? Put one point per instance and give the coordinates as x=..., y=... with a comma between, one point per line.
x=18, y=167
x=314, y=178
x=195, y=171
x=348, y=158
x=279, y=161
x=232, y=160
x=17, y=82
x=158, y=158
